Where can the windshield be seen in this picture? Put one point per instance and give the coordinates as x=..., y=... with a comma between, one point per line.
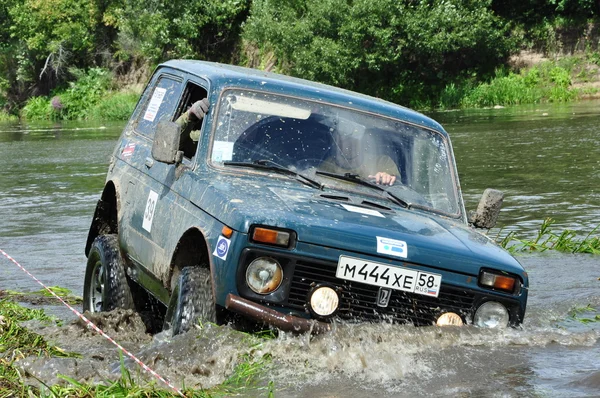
x=307, y=137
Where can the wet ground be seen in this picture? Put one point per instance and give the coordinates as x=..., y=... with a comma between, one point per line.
x=555, y=353
x=50, y=180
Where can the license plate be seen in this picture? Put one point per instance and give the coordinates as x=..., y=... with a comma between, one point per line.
x=383, y=275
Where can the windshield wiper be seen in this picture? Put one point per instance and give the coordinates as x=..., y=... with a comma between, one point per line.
x=265, y=164
x=355, y=178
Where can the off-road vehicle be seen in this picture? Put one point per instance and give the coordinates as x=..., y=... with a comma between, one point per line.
x=299, y=204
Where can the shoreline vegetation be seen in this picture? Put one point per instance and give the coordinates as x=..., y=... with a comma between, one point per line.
x=88, y=60
x=18, y=342
x=97, y=95
x=566, y=241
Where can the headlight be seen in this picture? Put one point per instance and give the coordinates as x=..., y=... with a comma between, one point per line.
x=264, y=275
x=491, y=315
x=324, y=301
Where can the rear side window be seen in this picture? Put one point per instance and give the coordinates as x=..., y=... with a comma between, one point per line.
x=160, y=104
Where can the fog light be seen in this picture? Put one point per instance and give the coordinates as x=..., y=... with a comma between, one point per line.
x=491, y=315
x=264, y=275
x=324, y=301
x=449, y=319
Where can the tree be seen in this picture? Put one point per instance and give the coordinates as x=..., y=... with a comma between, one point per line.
x=400, y=50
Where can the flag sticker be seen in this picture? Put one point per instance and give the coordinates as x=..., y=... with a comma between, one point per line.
x=392, y=247
x=127, y=152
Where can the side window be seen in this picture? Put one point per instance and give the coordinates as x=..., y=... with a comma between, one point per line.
x=190, y=126
x=160, y=104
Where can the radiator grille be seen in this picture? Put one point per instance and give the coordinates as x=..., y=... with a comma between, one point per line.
x=358, y=300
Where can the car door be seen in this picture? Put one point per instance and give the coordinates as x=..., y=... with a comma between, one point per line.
x=166, y=214
x=147, y=199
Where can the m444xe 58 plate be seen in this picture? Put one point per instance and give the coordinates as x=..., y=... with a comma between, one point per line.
x=383, y=275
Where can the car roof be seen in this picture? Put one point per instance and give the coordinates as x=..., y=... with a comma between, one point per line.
x=222, y=76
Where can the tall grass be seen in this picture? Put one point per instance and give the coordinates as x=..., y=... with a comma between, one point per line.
x=550, y=81
x=7, y=117
x=567, y=241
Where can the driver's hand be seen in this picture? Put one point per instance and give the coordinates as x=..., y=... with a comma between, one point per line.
x=384, y=178
x=199, y=108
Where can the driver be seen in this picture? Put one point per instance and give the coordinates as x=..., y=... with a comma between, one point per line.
x=351, y=154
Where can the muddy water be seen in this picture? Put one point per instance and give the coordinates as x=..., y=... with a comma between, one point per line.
x=548, y=162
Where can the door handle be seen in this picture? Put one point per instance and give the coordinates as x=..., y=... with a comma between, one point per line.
x=149, y=162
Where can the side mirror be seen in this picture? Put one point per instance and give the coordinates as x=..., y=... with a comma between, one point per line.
x=165, y=147
x=486, y=215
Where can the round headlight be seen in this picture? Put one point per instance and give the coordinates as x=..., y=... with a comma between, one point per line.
x=449, y=319
x=491, y=315
x=324, y=301
x=264, y=275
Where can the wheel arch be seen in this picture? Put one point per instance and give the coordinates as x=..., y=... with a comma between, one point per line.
x=191, y=250
x=105, y=219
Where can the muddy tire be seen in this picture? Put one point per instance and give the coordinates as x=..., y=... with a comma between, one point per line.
x=105, y=286
x=192, y=300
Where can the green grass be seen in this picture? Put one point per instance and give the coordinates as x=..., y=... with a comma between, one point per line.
x=549, y=81
x=7, y=117
x=114, y=106
x=567, y=241
x=62, y=292
x=585, y=315
x=16, y=342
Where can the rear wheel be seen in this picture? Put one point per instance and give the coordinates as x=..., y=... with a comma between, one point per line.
x=192, y=300
x=105, y=286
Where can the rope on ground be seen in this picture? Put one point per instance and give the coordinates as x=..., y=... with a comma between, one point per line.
x=96, y=328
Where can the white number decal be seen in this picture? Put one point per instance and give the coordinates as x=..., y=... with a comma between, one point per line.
x=149, y=213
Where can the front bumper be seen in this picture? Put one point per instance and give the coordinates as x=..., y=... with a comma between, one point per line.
x=261, y=313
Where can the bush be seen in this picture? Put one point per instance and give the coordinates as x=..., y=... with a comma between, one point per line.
x=503, y=90
x=38, y=108
x=115, y=106
x=405, y=51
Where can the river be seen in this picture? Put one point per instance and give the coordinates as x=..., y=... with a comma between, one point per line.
x=546, y=158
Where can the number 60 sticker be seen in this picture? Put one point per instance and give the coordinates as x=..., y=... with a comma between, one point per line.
x=149, y=212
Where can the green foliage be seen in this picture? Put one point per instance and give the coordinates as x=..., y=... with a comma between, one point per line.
x=550, y=81
x=114, y=106
x=404, y=51
x=503, y=90
x=206, y=29
x=7, y=117
x=546, y=239
x=18, y=339
x=85, y=95
x=585, y=315
x=420, y=53
x=38, y=108
x=82, y=94
x=17, y=342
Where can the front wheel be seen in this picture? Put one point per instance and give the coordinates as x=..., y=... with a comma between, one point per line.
x=192, y=300
x=105, y=286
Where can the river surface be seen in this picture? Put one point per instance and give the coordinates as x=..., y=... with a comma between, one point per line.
x=545, y=158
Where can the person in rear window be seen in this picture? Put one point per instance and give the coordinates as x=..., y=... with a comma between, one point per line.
x=353, y=152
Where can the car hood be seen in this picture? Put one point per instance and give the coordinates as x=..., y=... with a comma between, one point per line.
x=344, y=221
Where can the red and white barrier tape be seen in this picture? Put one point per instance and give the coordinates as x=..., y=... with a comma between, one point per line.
x=96, y=328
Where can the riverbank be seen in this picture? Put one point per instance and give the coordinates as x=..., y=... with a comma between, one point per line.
x=531, y=79
x=41, y=355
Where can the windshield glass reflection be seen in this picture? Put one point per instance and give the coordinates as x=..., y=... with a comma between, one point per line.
x=307, y=136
